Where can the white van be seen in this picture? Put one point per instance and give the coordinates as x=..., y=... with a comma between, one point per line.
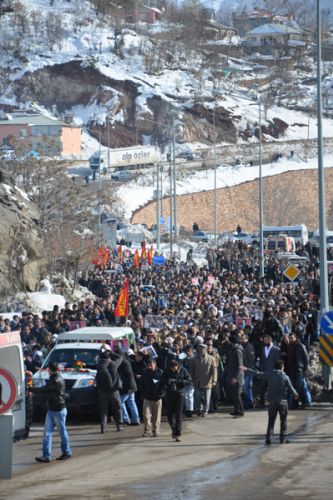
x=77, y=353
x=329, y=238
x=11, y=360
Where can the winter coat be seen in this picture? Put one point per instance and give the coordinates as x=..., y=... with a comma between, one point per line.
x=204, y=372
x=151, y=384
x=234, y=364
x=175, y=382
x=54, y=392
x=126, y=374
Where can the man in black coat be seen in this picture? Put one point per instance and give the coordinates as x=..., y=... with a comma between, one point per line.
x=249, y=359
x=108, y=385
x=152, y=403
x=127, y=391
x=54, y=393
x=268, y=357
x=279, y=386
x=298, y=362
x=235, y=375
x=174, y=381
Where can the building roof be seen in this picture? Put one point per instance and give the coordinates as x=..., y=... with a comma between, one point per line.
x=32, y=120
x=274, y=29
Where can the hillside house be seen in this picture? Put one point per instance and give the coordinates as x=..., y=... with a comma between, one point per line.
x=274, y=39
x=247, y=21
x=33, y=131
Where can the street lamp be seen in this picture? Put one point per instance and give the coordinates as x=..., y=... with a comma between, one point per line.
x=215, y=179
x=324, y=300
x=261, y=231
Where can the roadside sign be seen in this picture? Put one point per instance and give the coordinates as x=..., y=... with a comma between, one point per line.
x=8, y=391
x=326, y=350
x=291, y=272
x=326, y=323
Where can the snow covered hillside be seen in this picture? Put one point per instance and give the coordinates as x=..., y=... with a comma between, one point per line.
x=121, y=84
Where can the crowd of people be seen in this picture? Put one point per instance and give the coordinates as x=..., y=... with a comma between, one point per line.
x=200, y=331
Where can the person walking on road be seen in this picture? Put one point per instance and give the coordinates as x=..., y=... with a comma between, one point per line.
x=127, y=392
x=108, y=385
x=54, y=393
x=174, y=381
x=204, y=378
x=269, y=355
x=235, y=375
x=279, y=386
x=152, y=393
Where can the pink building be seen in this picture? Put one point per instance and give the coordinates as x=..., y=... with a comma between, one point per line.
x=25, y=132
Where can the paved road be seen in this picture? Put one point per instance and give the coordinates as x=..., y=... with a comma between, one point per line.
x=218, y=458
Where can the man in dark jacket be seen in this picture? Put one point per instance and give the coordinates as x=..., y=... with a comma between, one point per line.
x=138, y=367
x=298, y=362
x=127, y=392
x=249, y=359
x=174, y=381
x=272, y=326
x=54, y=393
x=108, y=385
x=278, y=387
x=152, y=393
x=269, y=355
x=235, y=375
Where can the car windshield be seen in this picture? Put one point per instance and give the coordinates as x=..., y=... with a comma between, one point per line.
x=69, y=358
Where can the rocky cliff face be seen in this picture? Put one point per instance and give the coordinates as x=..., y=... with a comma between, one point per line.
x=21, y=248
x=76, y=83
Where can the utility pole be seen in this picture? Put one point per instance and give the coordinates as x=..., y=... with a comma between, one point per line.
x=215, y=180
x=99, y=191
x=158, y=212
x=174, y=173
x=171, y=207
x=261, y=231
x=324, y=300
x=109, y=142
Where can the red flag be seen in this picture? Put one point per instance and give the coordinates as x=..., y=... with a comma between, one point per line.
x=121, y=309
x=150, y=255
x=143, y=251
x=120, y=253
x=136, y=259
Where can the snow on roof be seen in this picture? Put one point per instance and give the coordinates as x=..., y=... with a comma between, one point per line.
x=274, y=28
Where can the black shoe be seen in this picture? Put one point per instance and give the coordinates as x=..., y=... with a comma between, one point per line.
x=267, y=441
x=43, y=460
x=239, y=415
x=64, y=457
x=119, y=428
x=134, y=423
x=233, y=414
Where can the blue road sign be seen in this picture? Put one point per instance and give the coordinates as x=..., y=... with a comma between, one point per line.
x=326, y=323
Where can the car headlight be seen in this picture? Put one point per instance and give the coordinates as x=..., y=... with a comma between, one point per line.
x=84, y=382
x=38, y=382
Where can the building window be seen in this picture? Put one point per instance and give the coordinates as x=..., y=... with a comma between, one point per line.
x=23, y=133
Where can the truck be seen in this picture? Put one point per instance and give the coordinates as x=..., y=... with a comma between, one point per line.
x=77, y=353
x=130, y=158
